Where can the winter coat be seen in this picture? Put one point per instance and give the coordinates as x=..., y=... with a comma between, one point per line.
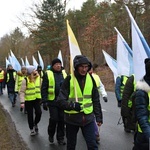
x=11, y=82
x=79, y=119
x=58, y=76
x=141, y=108
x=127, y=95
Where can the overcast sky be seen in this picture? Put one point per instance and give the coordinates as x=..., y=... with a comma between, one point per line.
x=10, y=10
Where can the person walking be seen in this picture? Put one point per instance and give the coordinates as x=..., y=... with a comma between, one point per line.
x=19, y=77
x=30, y=98
x=142, y=109
x=2, y=75
x=128, y=105
x=119, y=87
x=80, y=107
x=9, y=80
x=102, y=93
x=51, y=84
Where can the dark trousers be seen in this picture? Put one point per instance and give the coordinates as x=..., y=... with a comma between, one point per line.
x=140, y=142
x=88, y=132
x=129, y=123
x=56, y=123
x=1, y=88
x=30, y=107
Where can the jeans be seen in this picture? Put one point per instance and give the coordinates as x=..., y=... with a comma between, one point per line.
x=88, y=132
x=12, y=97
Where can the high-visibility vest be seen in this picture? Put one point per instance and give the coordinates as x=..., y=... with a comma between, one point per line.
x=124, y=80
x=97, y=80
x=51, y=88
x=1, y=75
x=14, y=76
x=33, y=89
x=19, y=82
x=130, y=101
x=84, y=99
x=139, y=128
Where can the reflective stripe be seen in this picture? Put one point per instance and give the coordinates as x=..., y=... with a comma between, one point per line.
x=85, y=98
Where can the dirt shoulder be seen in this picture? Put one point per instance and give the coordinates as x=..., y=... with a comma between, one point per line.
x=9, y=137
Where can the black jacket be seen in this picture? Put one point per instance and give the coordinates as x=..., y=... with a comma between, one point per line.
x=58, y=76
x=80, y=119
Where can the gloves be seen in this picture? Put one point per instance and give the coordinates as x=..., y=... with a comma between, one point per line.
x=75, y=106
x=105, y=99
x=45, y=107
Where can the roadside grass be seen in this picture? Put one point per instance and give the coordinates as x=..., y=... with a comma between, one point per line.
x=9, y=137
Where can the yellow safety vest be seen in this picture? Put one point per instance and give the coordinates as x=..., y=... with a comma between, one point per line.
x=124, y=80
x=14, y=75
x=130, y=101
x=33, y=90
x=97, y=80
x=139, y=128
x=51, y=88
x=85, y=99
x=1, y=75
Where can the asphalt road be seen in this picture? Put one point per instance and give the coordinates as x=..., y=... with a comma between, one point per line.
x=112, y=135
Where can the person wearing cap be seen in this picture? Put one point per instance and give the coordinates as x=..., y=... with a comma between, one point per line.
x=79, y=98
x=9, y=80
x=40, y=71
x=51, y=84
x=142, y=110
x=2, y=74
x=30, y=98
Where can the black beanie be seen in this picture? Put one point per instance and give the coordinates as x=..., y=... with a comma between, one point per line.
x=147, y=70
x=54, y=61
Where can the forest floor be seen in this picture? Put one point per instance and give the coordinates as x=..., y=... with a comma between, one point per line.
x=9, y=137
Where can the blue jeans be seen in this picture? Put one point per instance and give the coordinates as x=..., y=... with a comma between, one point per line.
x=88, y=132
x=12, y=97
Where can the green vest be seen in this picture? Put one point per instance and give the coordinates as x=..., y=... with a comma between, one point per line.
x=139, y=128
x=33, y=90
x=18, y=82
x=97, y=80
x=124, y=80
x=1, y=75
x=51, y=88
x=130, y=101
x=85, y=99
x=14, y=75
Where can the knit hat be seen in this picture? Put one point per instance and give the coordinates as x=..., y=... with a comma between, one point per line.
x=147, y=70
x=54, y=61
x=30, y=69
x=81, y=59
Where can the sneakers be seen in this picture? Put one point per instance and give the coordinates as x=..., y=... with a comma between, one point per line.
x=36, y=129
x=51, y=140
x=61, y=142
x=33, y=132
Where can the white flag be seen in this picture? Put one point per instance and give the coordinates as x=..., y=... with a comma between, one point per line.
x=35, y=64
x=7, y=62
x=27, y=62
x=60, y=57
x=73, y=44
x=111, y=63
x=40, y=60
x=140, y=49
x=16, y=65
x=22, y=62
x=124, y=56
